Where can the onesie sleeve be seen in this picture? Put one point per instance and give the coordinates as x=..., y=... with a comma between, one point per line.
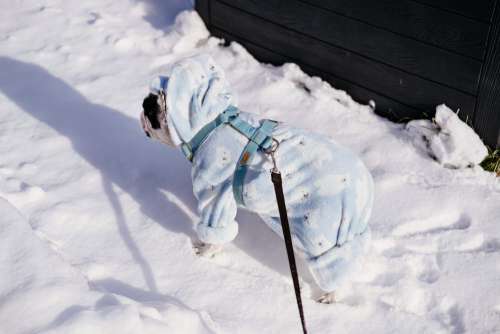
x=217, y=208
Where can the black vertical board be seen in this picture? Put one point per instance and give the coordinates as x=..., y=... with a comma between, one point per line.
x=478, y=9
x=431, y=25
x=379, y=78
x=406, y=54
x=487, y=118
x=203, y=8
x=385, y=106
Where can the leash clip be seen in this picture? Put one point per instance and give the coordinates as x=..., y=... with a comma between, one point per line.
x=270, y=151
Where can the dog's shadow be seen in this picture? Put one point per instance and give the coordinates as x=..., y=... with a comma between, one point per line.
x=156, y=177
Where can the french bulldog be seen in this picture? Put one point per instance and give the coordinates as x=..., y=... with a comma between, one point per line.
x=329, y=192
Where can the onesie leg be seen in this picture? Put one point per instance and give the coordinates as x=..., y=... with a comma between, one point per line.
x=332, y=267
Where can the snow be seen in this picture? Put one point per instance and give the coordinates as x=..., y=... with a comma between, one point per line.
x=97, y=222
x=448, y=139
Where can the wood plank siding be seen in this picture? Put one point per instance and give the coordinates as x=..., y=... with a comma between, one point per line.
x=406, y=55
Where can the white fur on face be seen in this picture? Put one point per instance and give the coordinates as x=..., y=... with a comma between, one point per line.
x=162, y=134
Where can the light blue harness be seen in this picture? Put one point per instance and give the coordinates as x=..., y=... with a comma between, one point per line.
x=258, y=138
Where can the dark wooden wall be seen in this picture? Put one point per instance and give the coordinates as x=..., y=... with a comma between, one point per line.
x=406, y=55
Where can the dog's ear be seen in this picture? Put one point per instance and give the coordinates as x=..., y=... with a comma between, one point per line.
x=151, y=110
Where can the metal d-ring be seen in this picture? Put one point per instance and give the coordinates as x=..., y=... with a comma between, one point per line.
x=271, y=150
x=274, y=146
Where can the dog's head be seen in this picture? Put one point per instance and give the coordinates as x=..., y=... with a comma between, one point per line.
x=181, y=103
x=154, y=118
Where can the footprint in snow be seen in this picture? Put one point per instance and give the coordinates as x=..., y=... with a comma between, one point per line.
x=451, y=316
x=490, y=246
x=429, y=276
x=426, y=268
x=19, y=192
x=93, y=17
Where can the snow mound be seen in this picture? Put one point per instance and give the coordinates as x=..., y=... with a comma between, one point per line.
x=448, y=139
x=189, y=29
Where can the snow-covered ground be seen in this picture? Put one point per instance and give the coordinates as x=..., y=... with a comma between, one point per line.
x=96, y=221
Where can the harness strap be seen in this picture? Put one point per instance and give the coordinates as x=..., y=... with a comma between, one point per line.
x=258, y=138
x=192, y=146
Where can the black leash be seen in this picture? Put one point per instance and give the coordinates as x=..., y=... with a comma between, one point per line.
x=280, y=199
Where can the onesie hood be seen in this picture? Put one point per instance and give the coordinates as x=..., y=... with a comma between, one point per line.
x=196, y=93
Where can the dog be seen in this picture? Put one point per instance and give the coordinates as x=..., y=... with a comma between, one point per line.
x=329, y=191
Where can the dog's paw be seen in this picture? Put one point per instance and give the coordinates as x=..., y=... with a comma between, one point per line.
x=327, y=298
x=206, y=250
